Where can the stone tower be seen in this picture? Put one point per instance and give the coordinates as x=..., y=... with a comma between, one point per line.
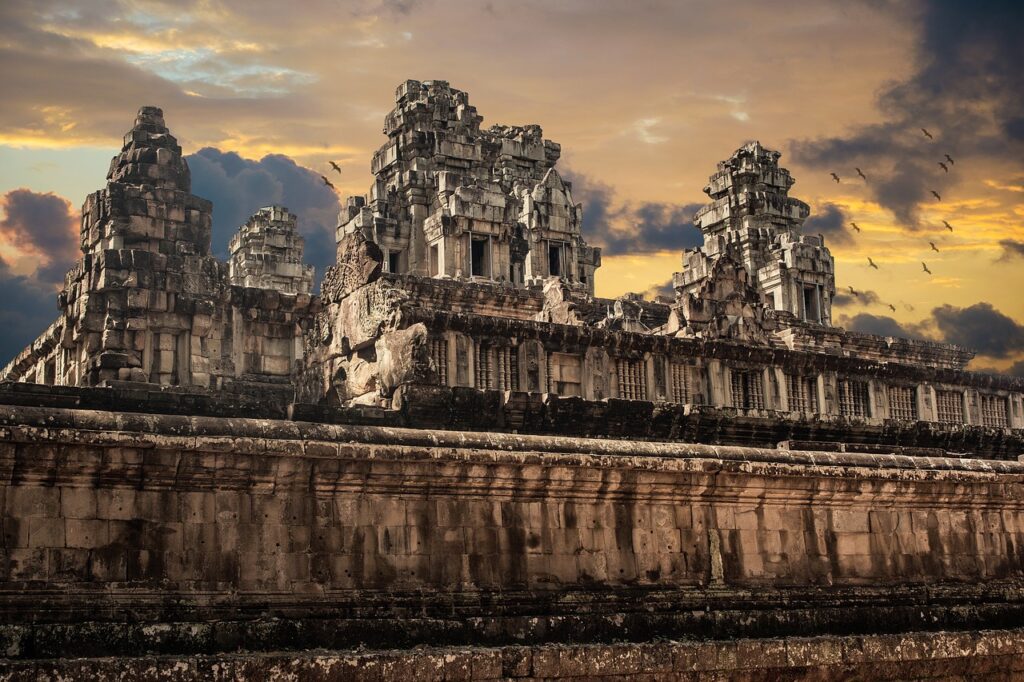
x=141, y=303
x=753, y=220
x=266, y=253
x=452, y=200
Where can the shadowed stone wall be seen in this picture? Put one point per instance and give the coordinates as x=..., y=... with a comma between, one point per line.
x=259, y=533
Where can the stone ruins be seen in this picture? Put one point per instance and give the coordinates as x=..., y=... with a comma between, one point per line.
x=466, y=267
x=455, y=442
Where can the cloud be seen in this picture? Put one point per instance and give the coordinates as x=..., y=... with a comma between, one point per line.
x=44, y=224
x=882, y=325
x=980, y=327
x=238, y=187
x=967, y=89
x=665, y=289
x=631, y=228
x=844, y=298
x=829, y=221
x=27, y=307
x=1012, y=248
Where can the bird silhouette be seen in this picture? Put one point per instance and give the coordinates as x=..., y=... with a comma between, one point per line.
x=891, y=307
x=927, y=134
x=861, y=173
x=335, y=167
x=950, y=159
x=925, y=266
x=835, y=177
x=872, y=263
x=936, y=195
x=948, y=226
x=327, y=182
x=853, y=291
x=934, y=248
x=854, y=226
x=943, y=166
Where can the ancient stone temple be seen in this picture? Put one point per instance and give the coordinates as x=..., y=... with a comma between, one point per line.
x=456, y=462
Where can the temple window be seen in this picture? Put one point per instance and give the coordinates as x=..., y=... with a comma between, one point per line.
x=747, y=389
x=803, y=394
x=993, y=410
x=482, y=364
x=949, y=406
x=632, y=379
x=902, y=403
x=554, y=259
x=480, y=253
x=439, y=356
x=853, y=398
x=680, y=380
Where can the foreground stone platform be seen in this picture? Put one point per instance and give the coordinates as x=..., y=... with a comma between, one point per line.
x=132, y=533
x=979, y=655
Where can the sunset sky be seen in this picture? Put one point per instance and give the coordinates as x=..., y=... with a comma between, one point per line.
x=644, y=96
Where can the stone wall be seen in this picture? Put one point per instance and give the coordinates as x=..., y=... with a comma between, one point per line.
x=142, y=533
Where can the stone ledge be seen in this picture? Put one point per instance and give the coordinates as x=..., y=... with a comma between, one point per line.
x=284, y=438
x=978, y=655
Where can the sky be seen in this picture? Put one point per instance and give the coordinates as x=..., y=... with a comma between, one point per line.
x=645, y=97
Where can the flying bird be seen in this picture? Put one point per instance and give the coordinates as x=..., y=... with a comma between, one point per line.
x=950, y=159
x=925, y=266
x=891, y=307
x=335, y=167
x=872, y=263
x=936, y=195
x=853, y=291
x=927, y=134
x=934, y=248
x=835, y=177
x=943, y=166
x=948, y=226
x=327, y=182
x=854, y=226
x=861, y=173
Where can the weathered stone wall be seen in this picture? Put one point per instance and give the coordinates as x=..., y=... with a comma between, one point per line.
x=255, y=533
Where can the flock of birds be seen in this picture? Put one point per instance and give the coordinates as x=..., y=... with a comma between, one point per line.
x=324, y=177
x=944, y=165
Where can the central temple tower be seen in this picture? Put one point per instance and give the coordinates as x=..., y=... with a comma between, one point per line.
x=452, y=200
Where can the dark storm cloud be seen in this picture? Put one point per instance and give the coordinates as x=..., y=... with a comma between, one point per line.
x=844, y=298
x=968, y=90
x=630, y=228
x=881, y=325
x=829, y=221
x=1011, y=249
x=27, y=307
x=44, y=224
x=665, y=289
x=980, y=327
x=238, y=187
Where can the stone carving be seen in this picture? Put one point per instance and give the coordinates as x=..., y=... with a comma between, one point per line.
x=402, y=358
x=359, y=262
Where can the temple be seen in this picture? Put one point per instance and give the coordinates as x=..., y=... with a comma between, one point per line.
x=456, y=443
